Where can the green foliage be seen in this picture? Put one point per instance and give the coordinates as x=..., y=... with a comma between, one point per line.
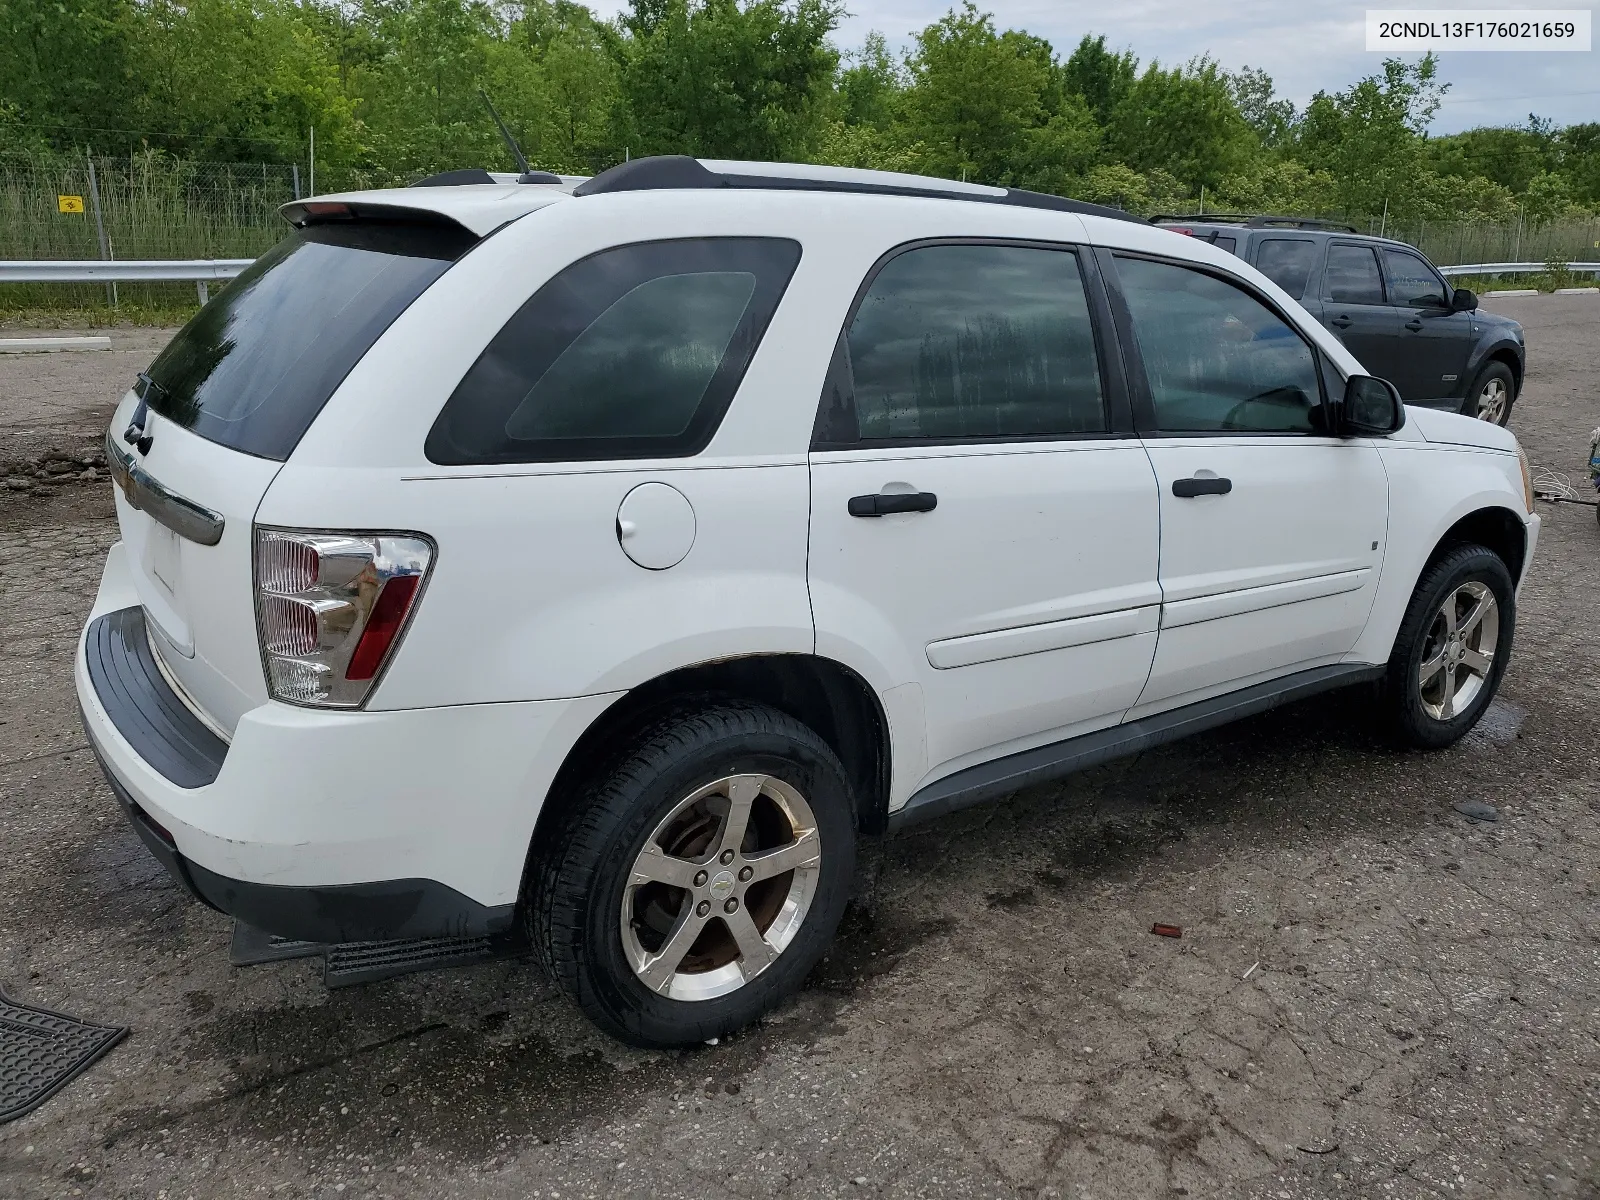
x=710, y=78
x=1253, y=94
x=1100, y=76
x=1183, y=121
x=974, y=97
x=1369, y=136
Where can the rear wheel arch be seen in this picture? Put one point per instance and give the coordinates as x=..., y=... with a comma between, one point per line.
x=824, y=695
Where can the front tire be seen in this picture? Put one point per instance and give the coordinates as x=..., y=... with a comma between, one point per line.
x=1492, y=394
x=1452, y=648
x=691, y=886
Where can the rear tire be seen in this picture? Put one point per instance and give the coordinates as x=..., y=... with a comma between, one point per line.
x=1492, y=394
x=1452, y=648
x=666, y=916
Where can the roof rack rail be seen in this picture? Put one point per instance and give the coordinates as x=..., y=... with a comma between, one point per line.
x=670, y=172
x=1256, y=222
x=1201, y=218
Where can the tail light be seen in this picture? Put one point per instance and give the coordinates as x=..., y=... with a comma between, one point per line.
x=331, y=608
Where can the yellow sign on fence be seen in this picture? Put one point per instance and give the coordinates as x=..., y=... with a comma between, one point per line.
x=69, y=204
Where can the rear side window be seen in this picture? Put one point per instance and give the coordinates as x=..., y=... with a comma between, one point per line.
x=633, y=352
x=973, y=343
x=1287, y=262
x=1353, y=275
x=253, y=369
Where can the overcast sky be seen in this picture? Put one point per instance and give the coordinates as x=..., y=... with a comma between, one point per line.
x=1304, y=47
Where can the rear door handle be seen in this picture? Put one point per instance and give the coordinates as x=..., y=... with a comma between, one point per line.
x=1341, y=322
x=1414, y=325
x=883, y=503
x=1201, y=486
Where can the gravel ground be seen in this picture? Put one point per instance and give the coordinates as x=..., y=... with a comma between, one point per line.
x=1373, y=995
x=65, y=398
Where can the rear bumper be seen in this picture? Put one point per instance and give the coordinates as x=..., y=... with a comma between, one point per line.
x=324, y=825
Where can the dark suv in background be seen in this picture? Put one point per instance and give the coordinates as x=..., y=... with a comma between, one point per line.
x=1385, y=301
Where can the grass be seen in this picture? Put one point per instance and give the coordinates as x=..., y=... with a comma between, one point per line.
x=81, y=306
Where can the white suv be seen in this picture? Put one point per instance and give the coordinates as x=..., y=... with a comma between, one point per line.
x=602, y=561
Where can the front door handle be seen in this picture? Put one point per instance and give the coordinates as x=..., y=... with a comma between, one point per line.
x=883, y=503
x=1201, y=486
x=1341, y=322
x=1414, y=325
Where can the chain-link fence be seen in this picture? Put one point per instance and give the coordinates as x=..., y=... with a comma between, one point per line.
x=1449, y=243
x=149, y=205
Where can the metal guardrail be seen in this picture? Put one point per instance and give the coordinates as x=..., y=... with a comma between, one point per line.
x=199, y=271
x=1522, y=268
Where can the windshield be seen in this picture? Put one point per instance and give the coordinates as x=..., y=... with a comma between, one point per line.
x=253, y=369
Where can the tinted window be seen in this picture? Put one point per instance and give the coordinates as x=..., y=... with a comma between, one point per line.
x=1225, y=243
x=1413, y=282
x=1216, y=358
x=253, y=369
x=972, y=342
x=1287, y=262
x=633, y=352
x=1353, y=275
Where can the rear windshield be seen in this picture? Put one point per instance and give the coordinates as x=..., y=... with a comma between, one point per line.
x=256, y=365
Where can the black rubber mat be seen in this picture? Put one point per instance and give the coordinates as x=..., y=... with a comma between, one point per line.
x=41, y=1051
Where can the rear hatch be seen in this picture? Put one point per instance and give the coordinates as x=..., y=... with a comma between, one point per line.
x=196, y=443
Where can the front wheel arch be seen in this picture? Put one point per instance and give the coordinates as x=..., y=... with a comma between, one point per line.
x=1497, y=529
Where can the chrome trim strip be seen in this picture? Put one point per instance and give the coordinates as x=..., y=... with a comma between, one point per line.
x=148, y=494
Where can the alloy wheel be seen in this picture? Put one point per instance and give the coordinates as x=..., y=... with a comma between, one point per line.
x=1492, y=400
x=1458, y=652
x=721, y=887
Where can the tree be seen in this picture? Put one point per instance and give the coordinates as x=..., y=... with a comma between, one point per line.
x=974, y=95
x=1183, y=121
x=1511, y=157
x=1368, y=137
x=710, y=78
x=1101, y=77
x=871, y=84
x=67, y=71
x=420, y=102
x=560, y=63
x=1580, y=160
x=1256, y=99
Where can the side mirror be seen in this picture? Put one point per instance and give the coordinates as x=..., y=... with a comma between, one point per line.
x=1463, y=300
x=1372, y=407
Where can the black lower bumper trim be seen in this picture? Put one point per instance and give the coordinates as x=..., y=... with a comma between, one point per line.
x=351, y=912
x=337, y=913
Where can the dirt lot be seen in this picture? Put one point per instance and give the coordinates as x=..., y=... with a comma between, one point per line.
x=996, y=1019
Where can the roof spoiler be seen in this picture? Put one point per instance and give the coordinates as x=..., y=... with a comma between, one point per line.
x=301, y=213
